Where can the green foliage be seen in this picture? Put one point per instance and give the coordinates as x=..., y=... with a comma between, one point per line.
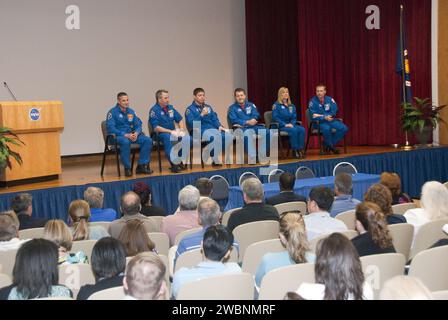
x=420, y=115
x=8, y=138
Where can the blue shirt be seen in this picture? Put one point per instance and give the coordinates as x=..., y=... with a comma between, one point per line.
x=284, y=115
x=121, y=123
x=210, y=121
x=102, y=215
x=342, y=204
x=328, y=109
x=202, y=270
x=240, y=115
x=158, y=117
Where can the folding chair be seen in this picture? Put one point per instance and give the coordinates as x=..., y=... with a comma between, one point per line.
x=304, y=173
x=291, y=206
x=344, y=167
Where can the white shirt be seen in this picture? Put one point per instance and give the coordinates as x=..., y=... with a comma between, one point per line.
x=321, y=223
x=315, y=291
x=12, y=244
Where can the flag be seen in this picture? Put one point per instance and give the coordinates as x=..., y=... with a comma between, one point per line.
x=403, y=66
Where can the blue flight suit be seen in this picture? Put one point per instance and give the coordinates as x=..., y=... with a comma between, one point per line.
x=210, y=121
x=239, y=115
x=328, y=108
x=120, y=123
x=285, y=115
x=167, y=119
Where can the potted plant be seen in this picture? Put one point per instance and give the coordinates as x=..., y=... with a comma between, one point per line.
x=421, y=118
x=7, y=137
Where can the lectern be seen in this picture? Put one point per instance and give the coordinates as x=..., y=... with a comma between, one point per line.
x=38, y=125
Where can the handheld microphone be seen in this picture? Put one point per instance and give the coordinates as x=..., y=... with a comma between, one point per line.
x=10, y=92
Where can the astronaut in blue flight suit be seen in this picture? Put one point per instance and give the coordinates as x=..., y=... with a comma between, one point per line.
x=285, y=114
x=163, y=118
x=127, y=128
x=201, y=112
x=244, y=114
x=324, y=109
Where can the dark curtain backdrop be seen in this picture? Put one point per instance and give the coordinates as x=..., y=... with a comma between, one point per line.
x=333, y=46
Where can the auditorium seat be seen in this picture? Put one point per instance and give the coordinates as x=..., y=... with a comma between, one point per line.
x=192, y=258
x=85, y=246
x=35, y=233
x=5, y=280
x=291, y=206
x=350, y=234
x=256, y=251
x=349, y=218
x=440, y=295
x=226, y=216
x=103, y=224
x=7, y=260
x=185, y=233
x=402, y=235
x=74, y=276
x=161, y=241
x=402, y=208
x=427, y=235
x=116, y=293
x=431, y=266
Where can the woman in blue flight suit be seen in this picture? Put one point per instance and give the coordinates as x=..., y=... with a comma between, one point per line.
x=285, y=114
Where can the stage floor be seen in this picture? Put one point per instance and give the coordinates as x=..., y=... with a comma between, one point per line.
x=86, y=169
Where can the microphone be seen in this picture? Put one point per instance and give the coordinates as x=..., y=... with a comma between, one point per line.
x=10, y=92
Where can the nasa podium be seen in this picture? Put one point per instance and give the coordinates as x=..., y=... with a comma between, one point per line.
x=38, y=125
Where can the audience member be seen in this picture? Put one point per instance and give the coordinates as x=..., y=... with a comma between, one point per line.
x=22, y=204
x=79, y=212
x=381, y=196
x=135, y=238
x=343, y=189
x=9, y=231
x=393, y=182
x=95, y=199
x=286, y=182
x=144, y=191
x=405, y=288
x=205, y=187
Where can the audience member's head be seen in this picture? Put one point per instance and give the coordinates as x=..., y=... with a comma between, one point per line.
x=9, y=226
x=320, y=199
x=79, y=212
x=145, y=277
x=135, y=238
x=435, y=200
x=293, y=236
x=108, y=258
x=130, y=204
x=22, y=203
x=143, y=190
x=287, y=181
x=338, y=267
x=205, y=187
x=36, y=269
x=189, y=198
x=217, y=243
x=393, y=182
x=369, y=218
x=209, y=212
x=94, y=197
x=253, y=191
x=381, y=196
x=405, y=288
x=58, y=232
x=343, y=185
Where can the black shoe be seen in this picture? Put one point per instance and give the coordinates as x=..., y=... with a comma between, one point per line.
x=334, y=150
x=183, y=167
x=143, y=169
x=216, y=165
x=296, y=154
x=127, y=172
x=175, y=168
x=302, y=154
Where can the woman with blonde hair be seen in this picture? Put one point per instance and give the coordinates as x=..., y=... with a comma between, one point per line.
x=285, y=114
x=405, y=288
x=293, y=237
x=135, y=238
x=79, y=212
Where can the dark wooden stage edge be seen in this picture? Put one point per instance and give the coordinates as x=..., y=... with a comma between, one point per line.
x=86, y=169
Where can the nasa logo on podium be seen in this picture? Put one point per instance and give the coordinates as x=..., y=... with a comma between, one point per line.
x=34, y=114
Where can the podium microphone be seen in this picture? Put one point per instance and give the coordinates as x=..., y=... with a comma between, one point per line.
x=10, y=92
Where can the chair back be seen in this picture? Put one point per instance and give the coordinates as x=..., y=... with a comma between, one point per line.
x=157, y=222
x=402, y=236
x=162, y=242
x=85, y=246
x=431, y=266
x=5, y=280
x=427, y=235
x=226, y=216
x=349, y=218
x=7, y=261
x=104, y=224
x=304, y=173
x=116, y=293
x=440, y=295
x=268, y=118
x=291, y=206
x=35, y=233
x=245, y=176
x=382, y=267
x=249, y=233
x=55, y=298
x=350, y=234
x=238, y=286
x=402, y=208
x=182, y=234
x=192, y=258
x=220, y=188
x=344, y=167
x=274, y=176
x=446, y=184
x=104, y=130
x=256, y=251
x=74, y=276
x=278, y=282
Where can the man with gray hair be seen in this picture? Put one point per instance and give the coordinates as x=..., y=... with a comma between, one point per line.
x=254, y=209
x=22, y=204
x=186, y=218
x=95, y=198
x=343, y=190
x=130, y=207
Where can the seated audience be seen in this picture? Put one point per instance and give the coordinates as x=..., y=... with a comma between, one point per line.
x=286, y=182
x=374, y=236
x=319, y=222
x=393, y=182
x=95, y=199
x=108, y=265
x=205, y=187
x=293, y=237
x=22, y=204
x=343, y=189
x=187, y=218
x=254, y=209
x=338, y=272
x=36, y=273
x=216, y=248
x=145, y=278
x=381, y=196
x=148, y=209
x=58, y=232
x=79, y=212
x=405, y=288
x=9, y=232
x=130, y=208
x=135, y=239
x=434, y=206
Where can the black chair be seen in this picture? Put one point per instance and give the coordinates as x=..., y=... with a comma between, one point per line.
x=245, y=176
x=111, y=146
x=304, y=173
x=274, y=176
x=344, y=167
x=220, y=188
x=314, y=131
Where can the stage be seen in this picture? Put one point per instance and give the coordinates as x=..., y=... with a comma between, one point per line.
x=51, y=199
